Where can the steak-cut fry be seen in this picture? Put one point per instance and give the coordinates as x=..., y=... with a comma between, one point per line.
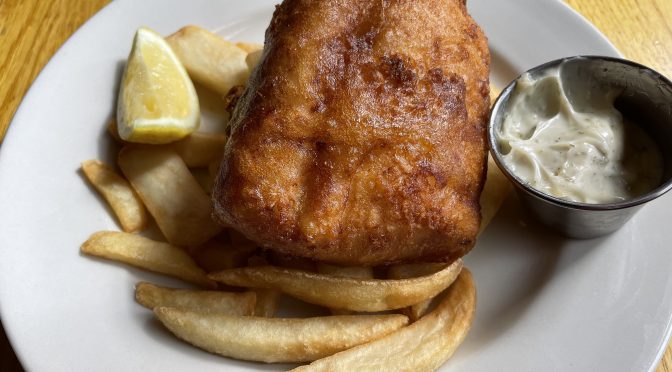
x=342, y=293
x=404, y=271
x=229, y=303
x=252, y=59
x=249, y=47
x=210, y=59
x=200, y=149
x=204, y=179
x=494, y=93
x=423, y=346
x=118, y=193
x=219, y=253
x=274, y=340
x=146, y=254
x=496, y=188
x=357, y=272
x=268, y=301
x=113, y=131
x=172, y=195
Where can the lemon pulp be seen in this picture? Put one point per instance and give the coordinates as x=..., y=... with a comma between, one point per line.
x=157, y=100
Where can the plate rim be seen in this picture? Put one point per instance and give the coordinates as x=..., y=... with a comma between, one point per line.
x=101, y=13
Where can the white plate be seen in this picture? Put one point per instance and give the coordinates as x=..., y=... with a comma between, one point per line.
x=544, y=303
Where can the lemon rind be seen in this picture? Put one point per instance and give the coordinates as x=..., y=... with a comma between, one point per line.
x=164, y=129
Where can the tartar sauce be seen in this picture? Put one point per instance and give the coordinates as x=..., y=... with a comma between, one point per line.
x=563, y=136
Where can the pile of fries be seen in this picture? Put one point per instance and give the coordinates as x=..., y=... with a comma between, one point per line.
x=233, y=312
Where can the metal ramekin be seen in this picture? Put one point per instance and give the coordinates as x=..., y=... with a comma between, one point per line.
x=646, y=98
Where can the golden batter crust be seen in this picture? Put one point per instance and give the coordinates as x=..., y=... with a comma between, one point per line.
x=360, y=139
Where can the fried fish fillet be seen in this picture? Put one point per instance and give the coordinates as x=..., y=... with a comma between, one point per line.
x=360, y=138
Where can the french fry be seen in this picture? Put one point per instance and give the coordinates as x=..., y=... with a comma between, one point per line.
x=252, y=59
x=241, y=324
x=494, y=93
x=495, y=191
x=200, y=149
x=357, y=272
x=273, y=340
x=213, y=167
x=209, y=59
x=267, y=299
x=404, y=271
x=146, y=254
x=113, y=131
x=231, y=99
x=249, y=47
x=342, y=293
x=497, y=187
x=422, y=346
x=229, y=303
x=219, y=254
x=267, y=302
x=118, y=193
x=415, y=312
x=171, y=194
x=204, y=179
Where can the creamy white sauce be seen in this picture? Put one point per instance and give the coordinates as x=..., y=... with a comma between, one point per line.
x=564, y=137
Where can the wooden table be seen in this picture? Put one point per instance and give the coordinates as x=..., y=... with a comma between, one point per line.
x=31, y=31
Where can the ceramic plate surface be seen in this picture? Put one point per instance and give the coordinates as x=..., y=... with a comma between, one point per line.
x=544, y=303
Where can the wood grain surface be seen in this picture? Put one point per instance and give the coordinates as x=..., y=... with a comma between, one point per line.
x=31, y=31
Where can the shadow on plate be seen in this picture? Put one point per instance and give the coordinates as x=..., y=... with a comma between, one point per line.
x=107, y=147
x=513, y=262
x=501, y=71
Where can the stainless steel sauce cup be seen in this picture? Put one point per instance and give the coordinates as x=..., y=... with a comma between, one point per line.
x=646, y=99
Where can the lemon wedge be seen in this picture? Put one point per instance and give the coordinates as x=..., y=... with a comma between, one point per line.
x=157, y=100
